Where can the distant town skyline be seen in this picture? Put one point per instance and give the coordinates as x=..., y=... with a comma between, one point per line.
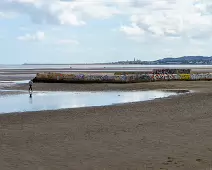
x=206, y=60
x=178, y=60
x=64, y=31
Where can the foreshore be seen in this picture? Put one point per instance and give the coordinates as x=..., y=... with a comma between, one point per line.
x=99, y=70
x=171, y=134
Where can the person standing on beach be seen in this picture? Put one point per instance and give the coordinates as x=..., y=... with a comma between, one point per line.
x=30, y=85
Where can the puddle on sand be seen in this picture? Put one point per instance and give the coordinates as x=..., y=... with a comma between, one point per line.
x=61, y=100
x=15, y=82
x=12, y=83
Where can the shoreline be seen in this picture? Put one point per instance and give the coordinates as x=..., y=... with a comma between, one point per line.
x=158, y=85
x=143, y=130
x=177, y=91
x=166, y=133
x=97, y=70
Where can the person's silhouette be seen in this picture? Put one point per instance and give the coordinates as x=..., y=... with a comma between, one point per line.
x=30, y=85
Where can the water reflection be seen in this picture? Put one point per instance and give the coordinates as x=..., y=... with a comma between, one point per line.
x=30, y=97
x=37, y=101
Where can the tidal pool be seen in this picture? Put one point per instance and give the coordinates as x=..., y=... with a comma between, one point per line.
x=60, y=100
x=12, y=83
x=15, y=82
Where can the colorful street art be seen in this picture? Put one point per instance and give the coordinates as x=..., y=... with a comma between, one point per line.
x=185, y=76
x=171, y=71
x=160, y=77
x=207, y=76
x=59, y=77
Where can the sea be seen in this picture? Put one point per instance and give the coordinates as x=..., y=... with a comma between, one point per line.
x=100, y=66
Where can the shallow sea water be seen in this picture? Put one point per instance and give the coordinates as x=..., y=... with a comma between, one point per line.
x=39, y=101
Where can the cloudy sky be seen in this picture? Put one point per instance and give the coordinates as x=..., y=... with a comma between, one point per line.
x=85, y=31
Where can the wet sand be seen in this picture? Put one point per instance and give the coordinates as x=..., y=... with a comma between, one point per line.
x=170, y=134
x=99, y=70
x=190, y=85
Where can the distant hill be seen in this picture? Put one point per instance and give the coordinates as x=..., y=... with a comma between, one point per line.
x=186, y=59
x=198, y=60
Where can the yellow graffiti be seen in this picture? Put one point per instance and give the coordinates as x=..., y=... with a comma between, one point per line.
x=185, y=76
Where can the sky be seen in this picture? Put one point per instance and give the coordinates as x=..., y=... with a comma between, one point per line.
x=91, y=31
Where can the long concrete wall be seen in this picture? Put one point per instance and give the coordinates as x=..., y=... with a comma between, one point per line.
x=104, y=78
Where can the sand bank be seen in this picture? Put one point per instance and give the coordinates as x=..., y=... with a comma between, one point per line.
x=173, y=134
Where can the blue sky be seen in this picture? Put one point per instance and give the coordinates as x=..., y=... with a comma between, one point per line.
x=86, y=31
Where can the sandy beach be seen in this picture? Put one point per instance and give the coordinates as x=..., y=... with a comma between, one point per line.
x=170, y=134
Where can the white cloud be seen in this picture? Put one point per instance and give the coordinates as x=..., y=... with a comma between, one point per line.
x=61, y=12
x=67, y=41
x=38, y=36
x=176, y=18
x=132, y=30
x=157, y=18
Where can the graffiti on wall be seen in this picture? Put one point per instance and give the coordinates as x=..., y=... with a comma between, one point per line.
x=171, y=71
x=121, y=78
x=160, y=77
x=207, y=76
x=185, y=76
x=144, y=77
